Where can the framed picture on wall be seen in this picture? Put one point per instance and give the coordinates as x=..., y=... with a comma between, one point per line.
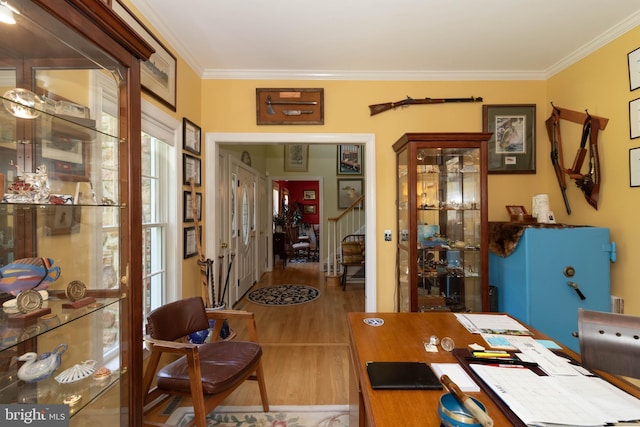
x=191, y=169
x=296, y=157
x=512, y=148
x=633, y=59
x=634, y=167
x=158, y=73
x=190, y=245
x=191, y=136
x=310, y=209
x=188, y=208
x=634, y=118
x=349, y=190
x=350, y=159
x=309, y=195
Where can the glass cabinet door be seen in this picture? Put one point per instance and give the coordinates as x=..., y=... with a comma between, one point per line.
x=441, y=212
x=64, y=160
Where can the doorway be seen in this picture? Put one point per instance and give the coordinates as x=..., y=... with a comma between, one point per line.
x=214, y=235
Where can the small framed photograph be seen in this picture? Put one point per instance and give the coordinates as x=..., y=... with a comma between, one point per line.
x=191, y=136
x=191, y=169
x=516, y=210
x=634, y=118
x=62, y=219
x=349, y=190
x=633, y=59
x=350, y=159
x=512, y=148
x=634, y=167
x=190, y=244
x=188, y=207
x=296, y=157
x=309, y=195
x=67, y=159
x=310, y=209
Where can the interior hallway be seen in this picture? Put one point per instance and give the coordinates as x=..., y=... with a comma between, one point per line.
x=306, y=346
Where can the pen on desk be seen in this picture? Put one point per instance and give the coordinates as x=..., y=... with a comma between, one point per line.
x=501, y=361
x=489, y=354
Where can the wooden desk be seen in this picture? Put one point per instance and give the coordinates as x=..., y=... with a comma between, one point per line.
x=401, y=338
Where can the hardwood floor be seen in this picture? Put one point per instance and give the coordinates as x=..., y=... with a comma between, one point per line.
x=306, y=346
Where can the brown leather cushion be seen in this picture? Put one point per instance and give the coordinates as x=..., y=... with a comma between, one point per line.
x=221, y=363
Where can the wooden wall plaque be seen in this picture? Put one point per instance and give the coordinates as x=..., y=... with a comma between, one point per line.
x=290, y=106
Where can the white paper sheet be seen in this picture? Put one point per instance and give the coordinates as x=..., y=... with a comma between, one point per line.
x=456, y=374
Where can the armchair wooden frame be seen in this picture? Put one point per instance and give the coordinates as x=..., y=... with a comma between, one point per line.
x=203, y=403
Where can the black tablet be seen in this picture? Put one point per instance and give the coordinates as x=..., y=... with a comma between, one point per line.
x=402, y=376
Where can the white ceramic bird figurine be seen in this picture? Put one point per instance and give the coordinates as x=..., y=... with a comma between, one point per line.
x=38, y=368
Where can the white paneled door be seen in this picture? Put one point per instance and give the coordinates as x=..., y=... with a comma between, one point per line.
x=245, y=230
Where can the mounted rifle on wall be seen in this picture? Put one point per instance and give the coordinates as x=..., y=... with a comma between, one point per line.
x=381, y=108
x=589, y=182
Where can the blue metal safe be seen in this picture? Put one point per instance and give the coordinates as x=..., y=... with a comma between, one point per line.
x=550, y=274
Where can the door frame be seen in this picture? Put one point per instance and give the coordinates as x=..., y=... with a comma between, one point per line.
x=213, y=141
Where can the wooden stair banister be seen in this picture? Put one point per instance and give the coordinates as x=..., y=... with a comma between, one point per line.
x=348, y=222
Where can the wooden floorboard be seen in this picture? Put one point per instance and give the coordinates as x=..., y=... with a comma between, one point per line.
x=306, y=346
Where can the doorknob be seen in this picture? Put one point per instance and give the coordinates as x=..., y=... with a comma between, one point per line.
x=224, y=245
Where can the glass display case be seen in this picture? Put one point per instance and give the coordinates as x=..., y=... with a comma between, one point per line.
x=442, y=256
x=70, y=232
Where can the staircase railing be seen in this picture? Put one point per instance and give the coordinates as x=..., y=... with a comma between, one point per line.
x=351, y=221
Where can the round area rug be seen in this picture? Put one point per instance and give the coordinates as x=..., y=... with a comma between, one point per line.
x=280, y=295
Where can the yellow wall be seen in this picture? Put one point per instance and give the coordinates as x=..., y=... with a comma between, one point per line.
x=188, y=104
x=229, y=106
x=598, y=83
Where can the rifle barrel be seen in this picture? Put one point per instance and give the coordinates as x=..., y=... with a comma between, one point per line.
x=380, y=108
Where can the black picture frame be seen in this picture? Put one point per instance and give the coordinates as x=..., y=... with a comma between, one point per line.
x=190, y=242
x=634, y=118
x=191, y=168
x=633, y=61
x=158, y=75
x=512, y=147
x=187, y=213
x=191, y=136
x=349, y=159
x=634, y=167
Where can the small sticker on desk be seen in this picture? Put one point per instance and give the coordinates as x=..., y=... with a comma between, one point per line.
x=374, y=321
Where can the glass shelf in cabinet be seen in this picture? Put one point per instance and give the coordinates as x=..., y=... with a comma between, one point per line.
x=16, y=329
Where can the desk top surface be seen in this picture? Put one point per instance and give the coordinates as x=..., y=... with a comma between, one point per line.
x=401, y=338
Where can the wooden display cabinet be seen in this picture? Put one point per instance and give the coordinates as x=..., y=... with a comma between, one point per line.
x=442, y=255
x=70, y=119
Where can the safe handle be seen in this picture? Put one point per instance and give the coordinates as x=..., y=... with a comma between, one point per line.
x=574, y=285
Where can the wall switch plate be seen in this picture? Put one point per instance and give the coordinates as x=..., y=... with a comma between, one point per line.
x=387, y=235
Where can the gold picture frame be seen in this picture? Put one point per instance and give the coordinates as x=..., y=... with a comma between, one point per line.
x=296, y=157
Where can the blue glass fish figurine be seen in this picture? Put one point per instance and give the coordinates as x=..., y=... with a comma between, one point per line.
x=28, y=273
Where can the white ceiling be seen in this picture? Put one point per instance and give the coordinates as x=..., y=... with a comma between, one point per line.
x=387, y=39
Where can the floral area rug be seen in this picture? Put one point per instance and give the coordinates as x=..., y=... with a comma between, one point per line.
x=280, y=295
x=278, y=416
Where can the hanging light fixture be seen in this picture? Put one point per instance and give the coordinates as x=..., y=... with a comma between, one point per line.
x=6, y=13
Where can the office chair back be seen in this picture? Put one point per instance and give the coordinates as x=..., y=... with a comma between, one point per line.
x=610, y=342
